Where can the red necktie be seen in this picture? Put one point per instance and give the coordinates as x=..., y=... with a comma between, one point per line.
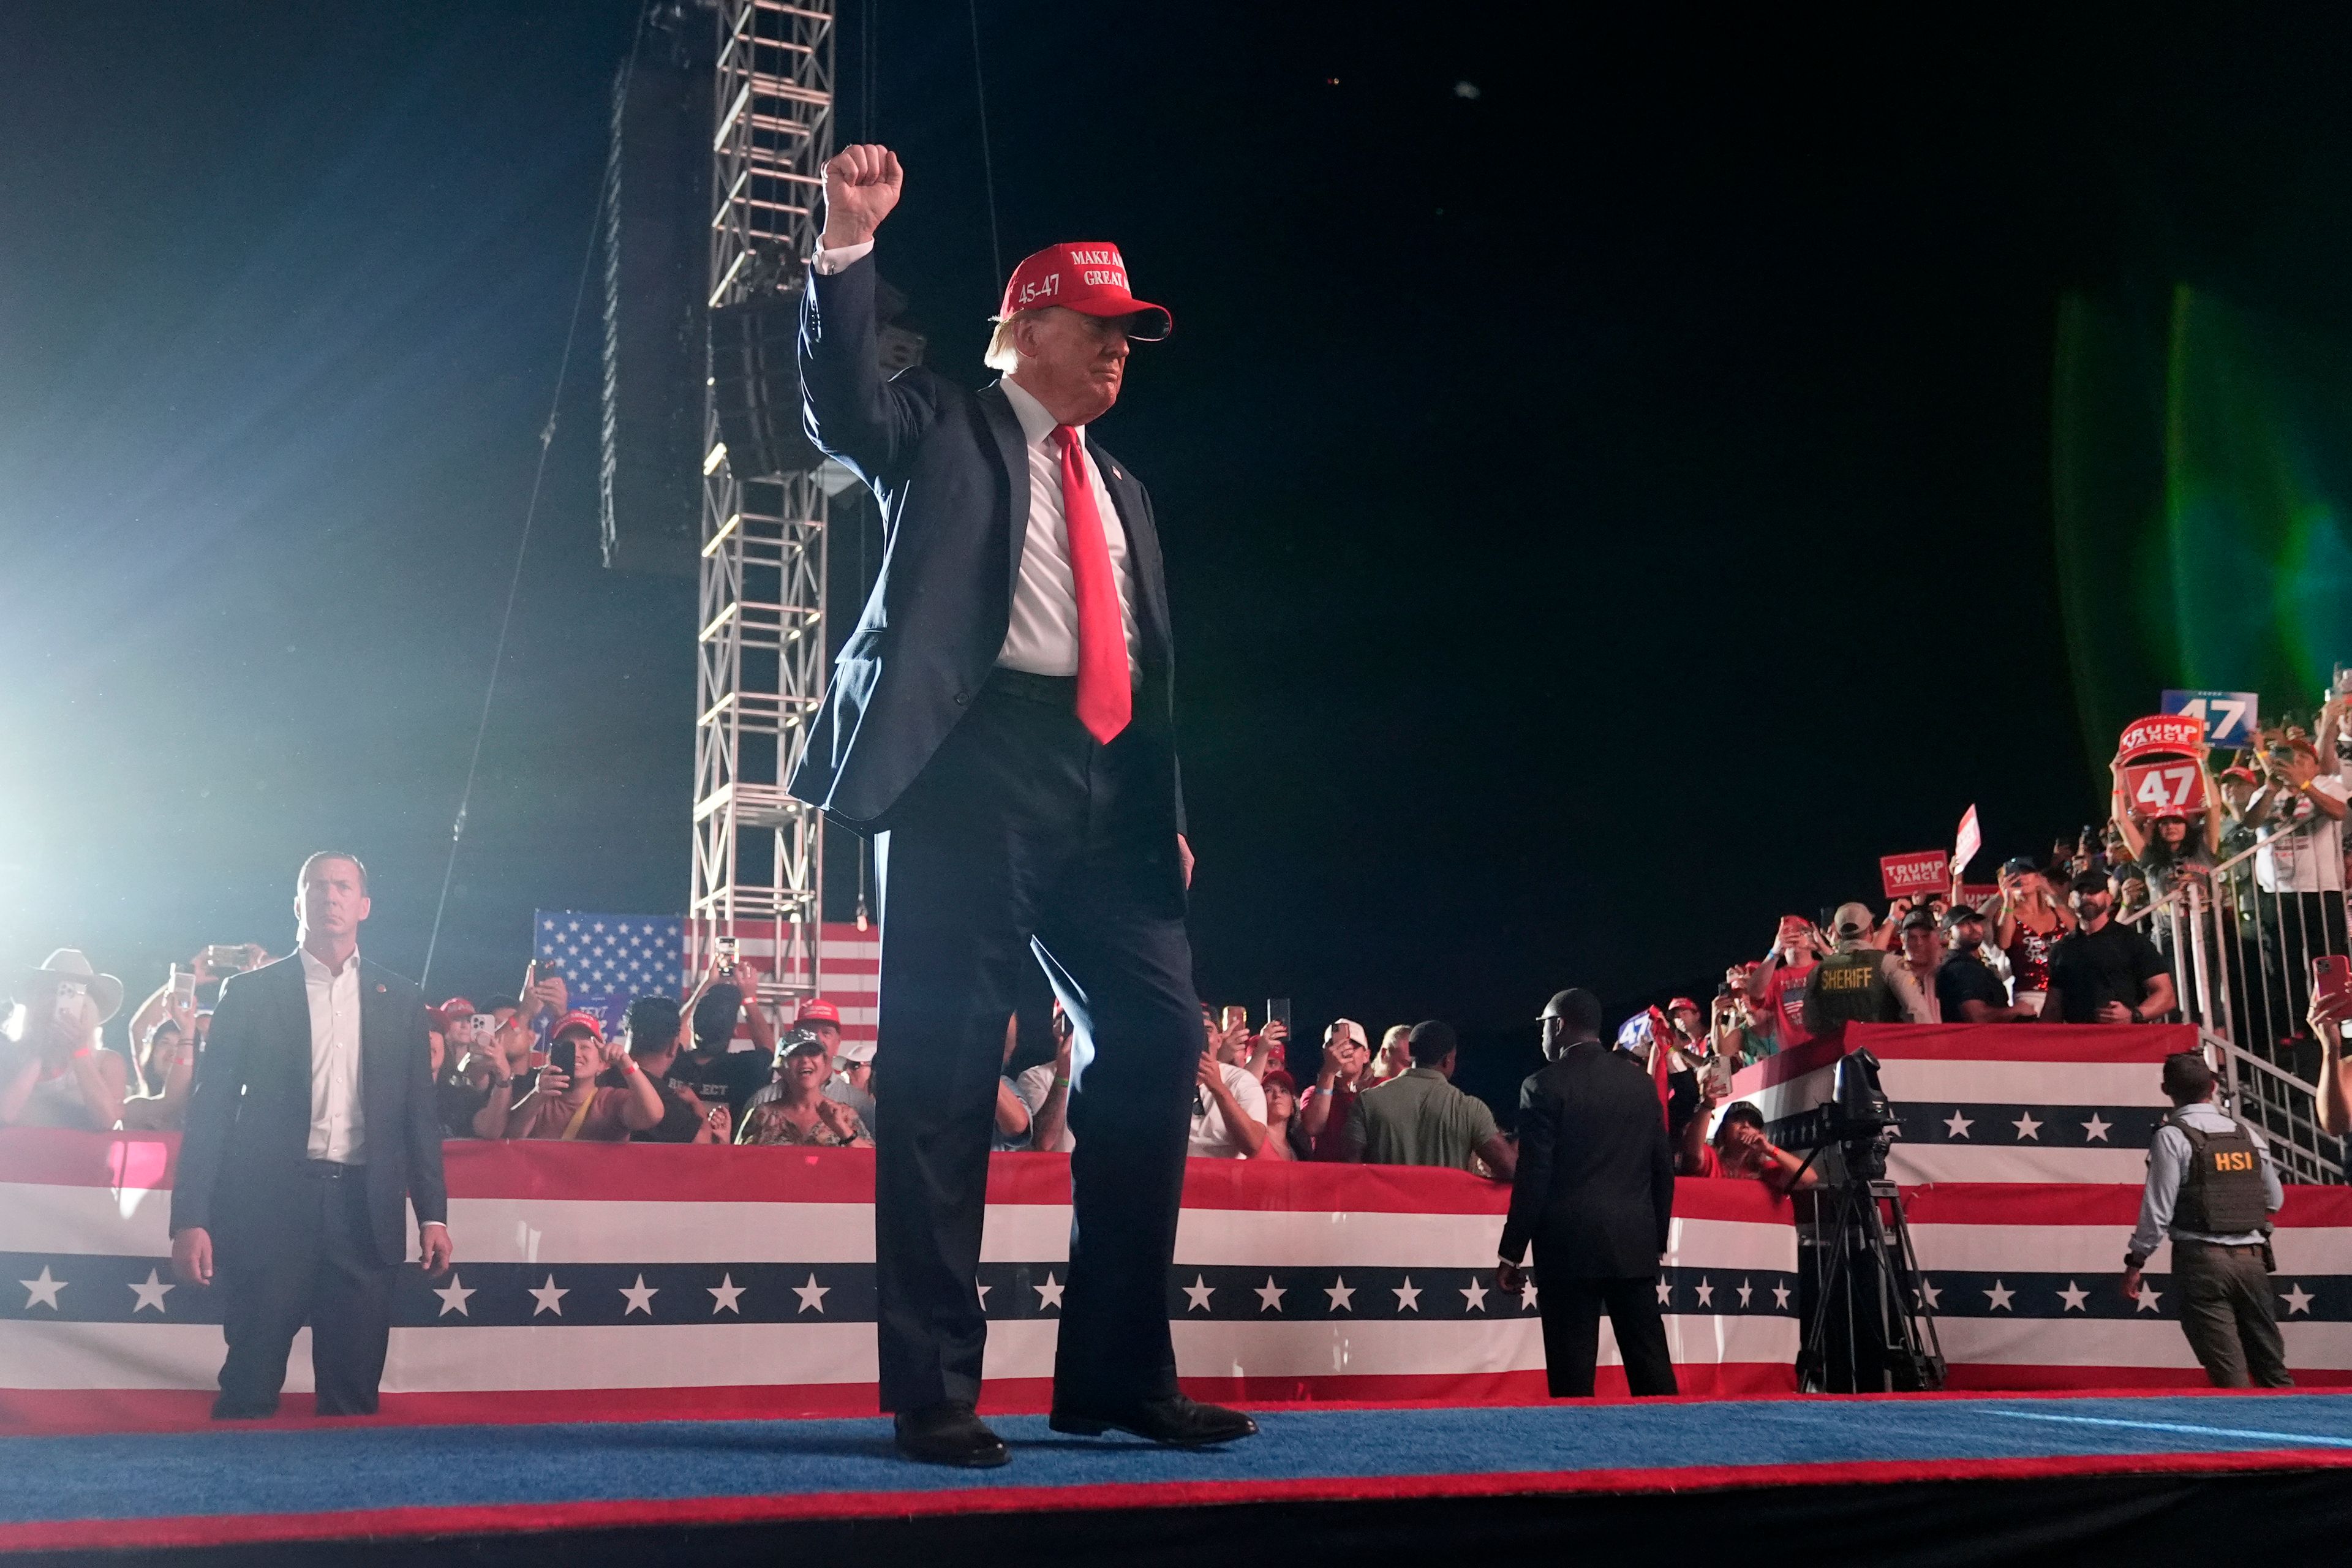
x=1106, y=702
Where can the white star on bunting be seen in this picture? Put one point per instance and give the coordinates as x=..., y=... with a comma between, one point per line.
x=725, y=1295
x=1932, y=1291
x=640, y=1297
x=2094, y=1131
x=2074, y=1296
x=1780, y=1297
x=548, y=1298
x=151, y=1294
x=983, y=1290
x=1746, y=1291
x=454, y=1297
x=811, y=1294
x=1197, y=1294
x=2297, y=1298
x=1408, y=1295
x=1342, y=1294
x=1665, y=1292
x=1999, y=1295
x=42, y=1292
x=1706, y=1292
x=1474, y=1295
x=1049, y=1294
x=2027, y=1127
x=2149, y=1298
x=1528, y=1294
x=1270, y=1295
x=1956, y=1125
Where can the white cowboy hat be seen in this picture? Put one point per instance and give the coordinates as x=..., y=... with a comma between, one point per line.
x=68, y=963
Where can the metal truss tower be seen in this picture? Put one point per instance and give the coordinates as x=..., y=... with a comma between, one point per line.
x=761, y=662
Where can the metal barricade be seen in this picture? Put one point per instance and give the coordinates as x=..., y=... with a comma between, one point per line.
x=2240, y=940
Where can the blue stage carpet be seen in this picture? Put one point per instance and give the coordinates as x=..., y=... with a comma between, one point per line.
x=232, y=1484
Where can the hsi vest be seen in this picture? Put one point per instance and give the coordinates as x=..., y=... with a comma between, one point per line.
x=2221, y=1190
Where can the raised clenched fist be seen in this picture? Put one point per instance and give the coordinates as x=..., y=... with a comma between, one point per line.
x=861, y=185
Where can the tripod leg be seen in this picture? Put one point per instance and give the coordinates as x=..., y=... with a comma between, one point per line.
x=1833, y=1243
x=1920, y=1321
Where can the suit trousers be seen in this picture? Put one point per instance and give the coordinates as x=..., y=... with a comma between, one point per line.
x=1571, y=1309
x=2227, y=1310
x=1026, y=841
x=310, y=1259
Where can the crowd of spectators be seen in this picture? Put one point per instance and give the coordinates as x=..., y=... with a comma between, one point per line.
x=2053, y=942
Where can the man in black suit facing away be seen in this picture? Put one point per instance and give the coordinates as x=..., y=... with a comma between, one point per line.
x=1001, y=722
x=1595, y=1193
x=311, y=1130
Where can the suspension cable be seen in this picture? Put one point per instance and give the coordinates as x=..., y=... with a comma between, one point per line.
x=987, y=158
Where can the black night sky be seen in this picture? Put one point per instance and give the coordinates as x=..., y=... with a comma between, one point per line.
x=1604, y=462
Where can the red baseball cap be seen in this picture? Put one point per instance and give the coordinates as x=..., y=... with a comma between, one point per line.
x=576, y=1019
x=817, y=1010
x=1682, y=1001
x=456, y=1007
x=1086, y=276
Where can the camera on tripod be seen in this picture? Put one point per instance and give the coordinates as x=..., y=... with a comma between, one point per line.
x=1868, y=1326
x=1856, y=1118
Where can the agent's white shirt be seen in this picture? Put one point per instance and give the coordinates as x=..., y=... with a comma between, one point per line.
x=338, y=1123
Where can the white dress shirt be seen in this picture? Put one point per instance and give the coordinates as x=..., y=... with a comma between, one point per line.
x=1042, y=636
x=338, y=1123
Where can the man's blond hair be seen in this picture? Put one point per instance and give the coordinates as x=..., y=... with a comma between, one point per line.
x=1001, y=355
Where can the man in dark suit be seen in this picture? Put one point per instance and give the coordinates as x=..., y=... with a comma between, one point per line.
x=1595, y=1193
x=311, y=1130
x=1001, y=722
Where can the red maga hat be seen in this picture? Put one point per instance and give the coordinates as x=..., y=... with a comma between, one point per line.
x=817, y=1009
x=1086, y=276
x=575, y=1019
x=456, y=1007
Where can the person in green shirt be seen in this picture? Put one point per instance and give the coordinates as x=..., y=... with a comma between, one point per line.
x=1419, y=1118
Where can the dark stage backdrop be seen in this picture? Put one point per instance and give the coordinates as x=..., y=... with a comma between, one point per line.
x=1604, y=461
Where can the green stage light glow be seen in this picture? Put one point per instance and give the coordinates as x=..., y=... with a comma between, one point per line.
x=2202, y=483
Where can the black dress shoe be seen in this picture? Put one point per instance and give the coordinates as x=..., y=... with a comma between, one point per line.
x=1174, y=1420
x=948, y=1433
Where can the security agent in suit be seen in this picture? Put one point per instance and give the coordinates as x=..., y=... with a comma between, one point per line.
x=311, y=1129
x=1015, y=765
x=1595, y=1193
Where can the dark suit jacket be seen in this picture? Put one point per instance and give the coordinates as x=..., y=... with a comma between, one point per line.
x=951, y=468
x=249, y=1128
x=1595, y=1190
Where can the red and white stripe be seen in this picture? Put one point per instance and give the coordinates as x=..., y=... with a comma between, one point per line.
x=2005, y=1064
x=2008, y=1230
x=554, y=1204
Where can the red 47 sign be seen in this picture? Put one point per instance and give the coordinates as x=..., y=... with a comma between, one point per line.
x=2164, y=789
